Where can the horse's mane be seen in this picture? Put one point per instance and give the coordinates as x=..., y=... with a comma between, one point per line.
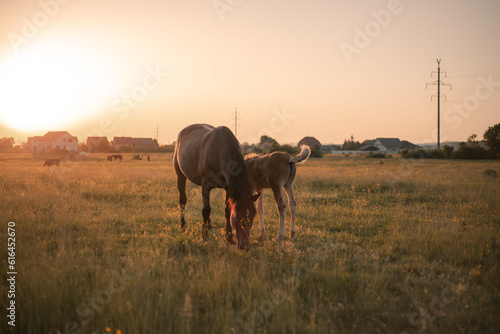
x=238, y=183
x=251, y=156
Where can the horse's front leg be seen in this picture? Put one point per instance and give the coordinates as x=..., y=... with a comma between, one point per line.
x=260, y=210
x=229, y=229
x=205, y=192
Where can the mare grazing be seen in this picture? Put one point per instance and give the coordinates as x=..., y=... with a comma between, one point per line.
x=211, y=158
x=115, y=156
x=276, y=171
x=50, y=162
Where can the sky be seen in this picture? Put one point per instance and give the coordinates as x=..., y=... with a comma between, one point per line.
x=284, y=68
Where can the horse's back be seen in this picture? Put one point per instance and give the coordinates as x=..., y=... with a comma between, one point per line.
x=271, y=169
x=187, y=150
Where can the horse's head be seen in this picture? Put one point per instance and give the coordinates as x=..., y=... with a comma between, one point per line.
x=242, y=214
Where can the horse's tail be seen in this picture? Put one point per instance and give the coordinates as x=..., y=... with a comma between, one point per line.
x=305, y=152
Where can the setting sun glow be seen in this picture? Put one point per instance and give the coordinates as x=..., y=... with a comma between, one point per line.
x=52, y=87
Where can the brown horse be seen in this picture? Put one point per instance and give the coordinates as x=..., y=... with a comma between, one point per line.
x=50, y=162
x=115, y=156
x=276, y=171
x=211, y=158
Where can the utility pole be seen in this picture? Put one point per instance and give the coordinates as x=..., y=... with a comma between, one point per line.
x=235, y=122
x=438, y=83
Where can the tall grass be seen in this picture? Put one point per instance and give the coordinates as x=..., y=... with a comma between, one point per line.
x=395, y=247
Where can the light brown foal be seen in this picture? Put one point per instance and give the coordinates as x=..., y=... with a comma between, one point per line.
x=276, y=171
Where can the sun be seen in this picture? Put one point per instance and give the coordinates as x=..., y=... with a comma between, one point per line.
x=51, y=87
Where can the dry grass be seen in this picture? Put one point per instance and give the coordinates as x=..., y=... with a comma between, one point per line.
x=398, y=246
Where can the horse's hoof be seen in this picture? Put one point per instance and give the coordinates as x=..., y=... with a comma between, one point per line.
x=278, y=238
x=292, y=235
x=230, y=240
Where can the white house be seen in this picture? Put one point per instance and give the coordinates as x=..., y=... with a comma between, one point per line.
x=53, y=140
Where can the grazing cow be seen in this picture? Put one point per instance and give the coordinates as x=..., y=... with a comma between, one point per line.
x=50, y=162
x=211, y=158
x=276, y=171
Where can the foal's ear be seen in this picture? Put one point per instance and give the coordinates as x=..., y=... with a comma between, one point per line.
x=255, y=197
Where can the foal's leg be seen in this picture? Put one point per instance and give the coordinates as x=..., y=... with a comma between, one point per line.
x=205, y=192
x=181, y=185
x=260, y=210
x=293, y=207
x=229, y=229
x=280, y=201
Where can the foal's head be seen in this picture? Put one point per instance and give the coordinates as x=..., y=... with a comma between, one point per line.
x=242, y=214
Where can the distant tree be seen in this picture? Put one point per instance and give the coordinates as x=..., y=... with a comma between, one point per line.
x=6, y=143
x=103, y=146
x=316, y=151
x=492, y=138
x=274, y=147
x=351, y=145
x=125, y=149
x=471, y=149
x=266, y=139
x=448, y=152
x=290, y=149
x=82, y=148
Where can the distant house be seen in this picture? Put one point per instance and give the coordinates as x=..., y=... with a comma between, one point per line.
x=387, y=144
x=96, y=144
x=328, y=148
x=407, y=145
x=310, y=141
x=132, y=143
x=51, y=141
x=369, y=147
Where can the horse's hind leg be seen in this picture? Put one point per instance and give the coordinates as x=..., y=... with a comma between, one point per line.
x=181, y=185
x=293, y=207
x=205, y=193
x=280, y=201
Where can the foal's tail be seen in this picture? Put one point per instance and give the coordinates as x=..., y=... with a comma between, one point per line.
x=305, y=152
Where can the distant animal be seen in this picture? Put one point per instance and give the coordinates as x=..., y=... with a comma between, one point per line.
x=211, y=158
x=115, y=156
x=50, y=162
x=276, y=171
x=490, y=172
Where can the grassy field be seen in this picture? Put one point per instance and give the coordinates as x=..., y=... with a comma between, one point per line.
x=382, y=246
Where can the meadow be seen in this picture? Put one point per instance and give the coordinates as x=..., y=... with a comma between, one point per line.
x=382, y=246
